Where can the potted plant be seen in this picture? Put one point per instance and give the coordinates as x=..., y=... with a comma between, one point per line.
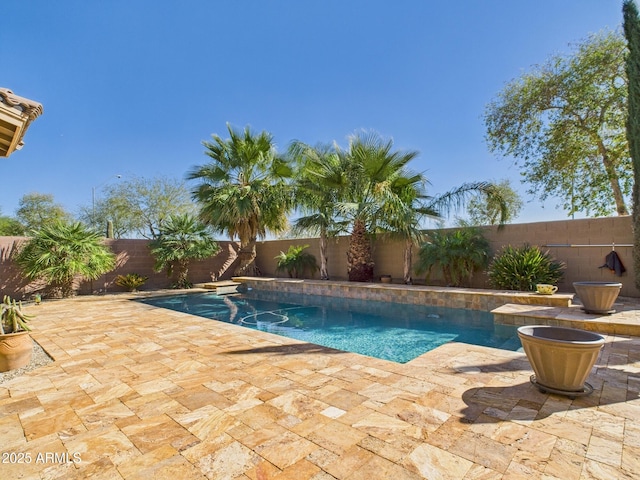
x=16, y=345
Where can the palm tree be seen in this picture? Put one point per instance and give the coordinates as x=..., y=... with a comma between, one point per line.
x=378, y=178
x=320, y=180
x=60, y=252
x=403, y=219
x=458, y=253
x=182, y=239
x=243, y=190
x=296, y=261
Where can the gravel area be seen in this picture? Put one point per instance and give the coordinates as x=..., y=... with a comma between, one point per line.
x=38, y=359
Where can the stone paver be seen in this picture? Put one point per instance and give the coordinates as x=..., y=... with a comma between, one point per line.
x=141, y=392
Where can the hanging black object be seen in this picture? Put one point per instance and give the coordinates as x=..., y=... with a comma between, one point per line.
x=613, y=263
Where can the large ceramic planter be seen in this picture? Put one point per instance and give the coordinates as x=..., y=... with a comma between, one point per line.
x=561, y=358
x=597, y=297
x=15, y=350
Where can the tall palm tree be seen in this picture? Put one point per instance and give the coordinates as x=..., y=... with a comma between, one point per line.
x=378, y=178
x=182, y=239
x=321, y=179
x=243, y=191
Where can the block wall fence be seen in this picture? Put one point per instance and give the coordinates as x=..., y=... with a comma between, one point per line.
x=582, y=262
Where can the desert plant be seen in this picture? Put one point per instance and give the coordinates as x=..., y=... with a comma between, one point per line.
x=521, y=268
x=131, y=281
x=59, y=253
x=458, y=254
x=296, y=261
x=12, y=319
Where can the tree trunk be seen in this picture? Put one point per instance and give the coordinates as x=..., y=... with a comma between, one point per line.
x=247, y=256
x=359, y=261
x=614, y=180
x=408, y=261
x=182, y=273
x=324, y=274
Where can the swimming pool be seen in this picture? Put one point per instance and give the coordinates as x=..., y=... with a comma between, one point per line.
x=390, y=331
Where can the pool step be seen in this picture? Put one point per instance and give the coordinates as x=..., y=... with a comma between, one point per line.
x=223, y=287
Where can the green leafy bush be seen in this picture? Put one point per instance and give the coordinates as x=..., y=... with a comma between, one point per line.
x=131, y=281
x=521, y=268
x=457, y=253
x=296, y=261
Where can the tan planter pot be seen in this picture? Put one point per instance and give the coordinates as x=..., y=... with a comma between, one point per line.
x=385, y=278
x=561, y=358
x=15, y=350
x=597, y=297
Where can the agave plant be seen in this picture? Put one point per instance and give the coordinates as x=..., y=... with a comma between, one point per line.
x=521, y=268
x=12, y=318
x=296, y=261
x=131, y=281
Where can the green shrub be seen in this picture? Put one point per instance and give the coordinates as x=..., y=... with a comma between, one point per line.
x=131, y=281
x=296, y=261
x=521, y=268
x=182, y=239
x=457, y=253
x=60, y=253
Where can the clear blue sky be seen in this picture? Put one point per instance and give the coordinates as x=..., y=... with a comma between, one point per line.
x=132, y=87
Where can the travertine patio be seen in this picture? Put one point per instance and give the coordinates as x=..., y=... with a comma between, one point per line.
x=141, y=392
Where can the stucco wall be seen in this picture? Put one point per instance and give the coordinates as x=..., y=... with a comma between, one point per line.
x=132, y=257
x=582, y=262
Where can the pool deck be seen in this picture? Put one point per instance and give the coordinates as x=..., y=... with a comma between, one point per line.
x=139, y=392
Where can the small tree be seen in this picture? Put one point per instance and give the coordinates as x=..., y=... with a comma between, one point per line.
x=59, y=253
x=458, y=253
x=296, y=261
x=139, y=206
x=10, y=227
x=488, y=210
x=181, y=240
x=36, y=210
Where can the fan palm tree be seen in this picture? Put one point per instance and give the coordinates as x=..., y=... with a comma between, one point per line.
x=61, y=252
x=321, y=178
x=243, y=190
x=182, y=239
x=403, y=220
x=377, y=179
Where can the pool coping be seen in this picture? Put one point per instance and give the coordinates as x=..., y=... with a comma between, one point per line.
x=469, y=298
x=508, y=307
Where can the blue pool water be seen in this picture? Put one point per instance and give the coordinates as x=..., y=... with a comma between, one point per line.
x=391, y=331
